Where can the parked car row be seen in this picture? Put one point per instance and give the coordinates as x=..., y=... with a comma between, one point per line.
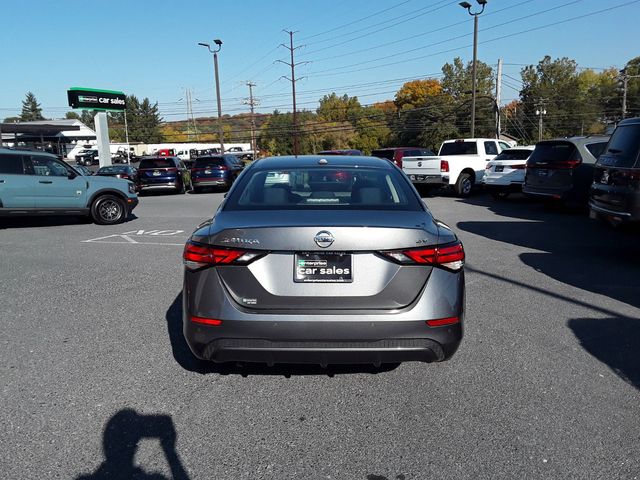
x=600, y=171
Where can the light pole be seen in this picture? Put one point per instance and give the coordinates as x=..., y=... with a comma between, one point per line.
x=218, y=42
x=467, y=6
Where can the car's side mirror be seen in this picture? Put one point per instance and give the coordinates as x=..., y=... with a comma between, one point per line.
x=72, y=175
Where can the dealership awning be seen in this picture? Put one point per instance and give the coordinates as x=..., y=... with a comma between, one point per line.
x=41, y=129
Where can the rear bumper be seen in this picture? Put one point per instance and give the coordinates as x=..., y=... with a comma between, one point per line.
x=160, y=186
x=209, y=182
x=335, y=342
x=427, y=179
x=598, y=210
x=555, y=194
x=513, y=187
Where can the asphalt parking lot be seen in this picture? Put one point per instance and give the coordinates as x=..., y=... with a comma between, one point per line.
x=97, y=379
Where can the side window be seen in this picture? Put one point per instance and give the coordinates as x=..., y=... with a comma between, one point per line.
x=11, y=164
x=504, y=146
x=46, y=166
x=596, y=149
x=490, y=148
x=181, y=163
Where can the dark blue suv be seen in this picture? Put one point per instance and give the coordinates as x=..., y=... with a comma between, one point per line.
x=215, y=171
x=163, y=173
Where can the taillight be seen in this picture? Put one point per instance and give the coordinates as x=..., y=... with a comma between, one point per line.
x=441, y=322
x=518, y=167
x=398, y=161
x=223, y=167
x=444, y=166
x=214, y=322
x=197, y=256
x=567, y=164
x=449, y=256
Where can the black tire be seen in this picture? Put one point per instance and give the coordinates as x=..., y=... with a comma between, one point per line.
x=108, y=210
x=196, y=190
x=463, y=185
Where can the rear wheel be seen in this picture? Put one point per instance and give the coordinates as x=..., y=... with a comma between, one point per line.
x=463, y=185
x=108, y=210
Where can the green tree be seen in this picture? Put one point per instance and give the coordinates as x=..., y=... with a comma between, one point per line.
x=86, y=117
x=372, y=130
x=457, y=82
x=30, y=109
x=338, y=109
x=553, y=86
x=72, y=116
x=11, y=119
x=143, y=121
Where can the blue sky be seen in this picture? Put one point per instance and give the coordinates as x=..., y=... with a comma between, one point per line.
x=366, y=48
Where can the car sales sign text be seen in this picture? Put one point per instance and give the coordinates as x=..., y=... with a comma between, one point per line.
x=92, y=99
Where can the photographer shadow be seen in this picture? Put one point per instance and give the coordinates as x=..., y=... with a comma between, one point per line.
x=121, y=437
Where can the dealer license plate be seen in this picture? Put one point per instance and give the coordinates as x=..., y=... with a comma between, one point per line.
x=323, y=268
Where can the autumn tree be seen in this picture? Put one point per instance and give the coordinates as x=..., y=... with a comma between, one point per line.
x=417, y=93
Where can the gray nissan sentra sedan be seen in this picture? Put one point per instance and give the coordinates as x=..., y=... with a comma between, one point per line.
x=323, y=260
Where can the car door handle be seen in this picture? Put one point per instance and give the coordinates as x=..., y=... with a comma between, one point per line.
x=45, y=181
x=1, y=181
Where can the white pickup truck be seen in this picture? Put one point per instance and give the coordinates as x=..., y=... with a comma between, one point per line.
x=459, y=163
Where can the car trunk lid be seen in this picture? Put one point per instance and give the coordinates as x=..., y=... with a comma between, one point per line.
x=355, y=277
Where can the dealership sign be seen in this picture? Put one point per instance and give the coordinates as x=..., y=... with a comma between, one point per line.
x=92, y=99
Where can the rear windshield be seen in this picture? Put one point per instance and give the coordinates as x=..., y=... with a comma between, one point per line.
x=622, y=150
x=552, y=152
x=388, y=154
x=209, y=162
x=514, y=154
x=459, y=148
x=315, y=188
x=156, y=163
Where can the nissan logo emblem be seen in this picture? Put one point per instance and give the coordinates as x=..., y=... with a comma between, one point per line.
x=324, y=239
x=419, y=164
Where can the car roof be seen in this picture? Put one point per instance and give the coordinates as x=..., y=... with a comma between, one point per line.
x=398, y=148
x=520, y=147
x=630, y=121
x=23, y=151
x=291, y=161
x=580, y=140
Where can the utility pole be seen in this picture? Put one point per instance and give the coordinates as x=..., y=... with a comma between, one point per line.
x=293, y=80
x=498, y=98
x=540, y=111
x=252, y=103
x=625, y=86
